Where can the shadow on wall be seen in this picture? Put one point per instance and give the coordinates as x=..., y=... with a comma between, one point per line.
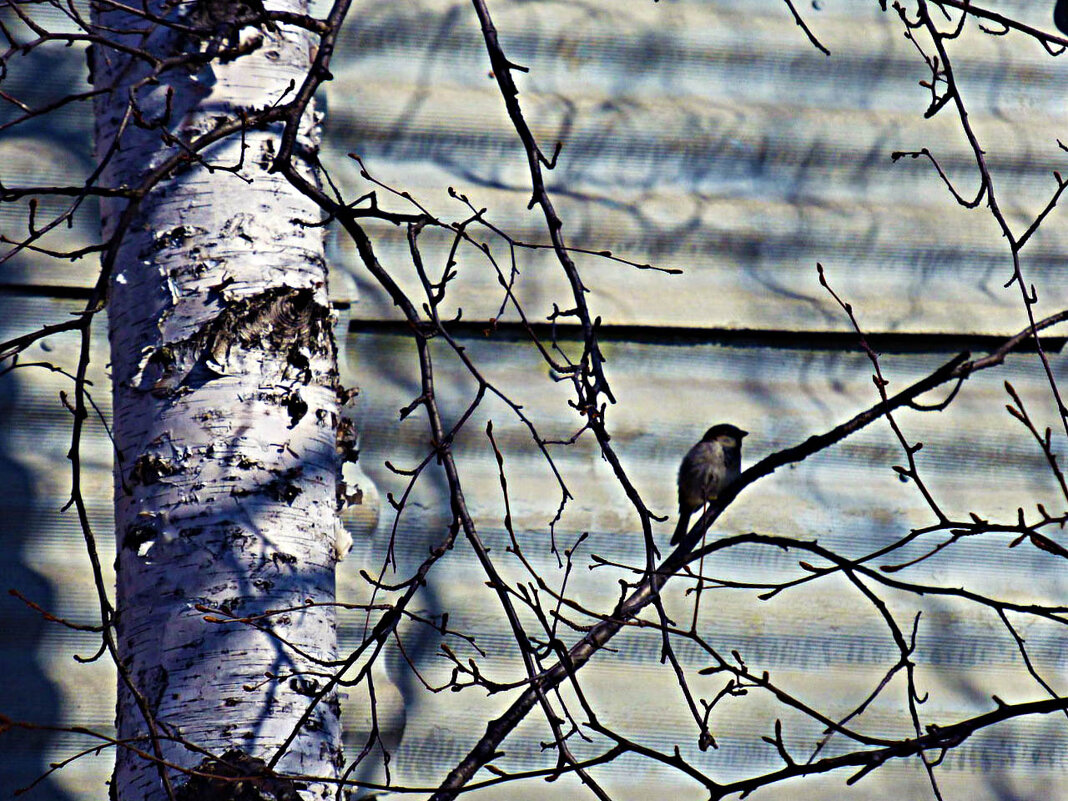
x=26, y=694
x=387, y=383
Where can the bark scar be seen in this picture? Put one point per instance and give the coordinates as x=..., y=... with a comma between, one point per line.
x=237, y=776
x=281, y=320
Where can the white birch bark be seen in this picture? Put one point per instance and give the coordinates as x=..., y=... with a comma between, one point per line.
x=225, y=415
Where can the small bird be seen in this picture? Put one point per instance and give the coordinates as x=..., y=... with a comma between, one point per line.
x=709, y=466
x=1060, y=15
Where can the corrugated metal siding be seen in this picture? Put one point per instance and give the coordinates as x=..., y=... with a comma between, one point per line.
x=703, y=135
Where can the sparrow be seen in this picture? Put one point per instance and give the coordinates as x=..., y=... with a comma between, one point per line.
x=709, y=466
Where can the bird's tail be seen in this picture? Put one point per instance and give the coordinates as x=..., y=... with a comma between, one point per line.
x=682, y=526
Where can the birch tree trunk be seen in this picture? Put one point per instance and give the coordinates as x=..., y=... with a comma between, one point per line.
x=225, y=413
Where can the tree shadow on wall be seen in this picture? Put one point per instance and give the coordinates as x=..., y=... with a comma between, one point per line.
x=26, y=694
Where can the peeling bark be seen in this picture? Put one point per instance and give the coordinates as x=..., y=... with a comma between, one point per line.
x=236, y=776
x=225, y=417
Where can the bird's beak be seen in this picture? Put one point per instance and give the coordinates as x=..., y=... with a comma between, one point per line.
x=742, y=433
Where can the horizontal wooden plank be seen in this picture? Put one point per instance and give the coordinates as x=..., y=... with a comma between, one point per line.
x=731, y=149
x=708, y=137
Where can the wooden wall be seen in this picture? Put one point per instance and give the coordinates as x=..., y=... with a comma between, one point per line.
x=707, y=136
